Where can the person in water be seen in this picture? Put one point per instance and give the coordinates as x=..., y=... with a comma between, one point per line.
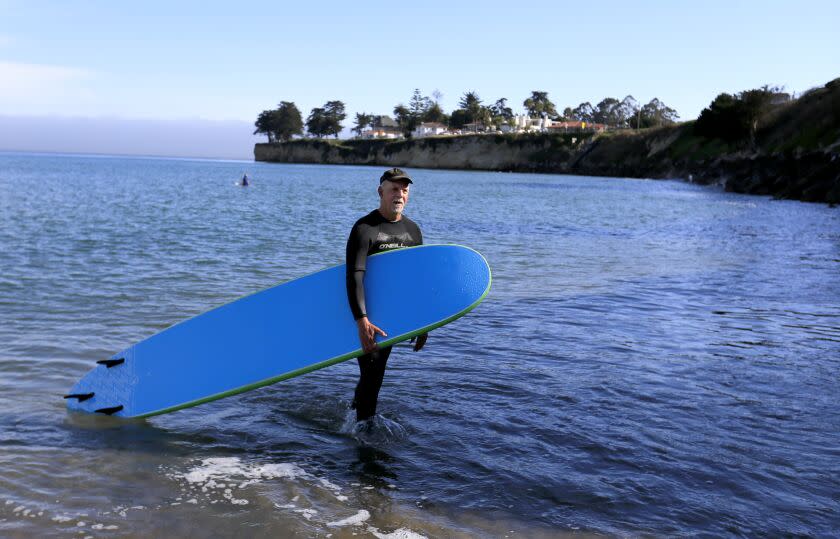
x=244, y=180
x=383, y=229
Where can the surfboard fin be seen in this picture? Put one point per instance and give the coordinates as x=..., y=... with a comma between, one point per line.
x=109, y=411
x=111, y=362
x=82, y=397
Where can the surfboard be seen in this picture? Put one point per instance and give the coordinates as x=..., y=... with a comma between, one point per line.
x=284, y=331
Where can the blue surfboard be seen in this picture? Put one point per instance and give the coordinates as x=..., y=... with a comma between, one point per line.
x=282, y=332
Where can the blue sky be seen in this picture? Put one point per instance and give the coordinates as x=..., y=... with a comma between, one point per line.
x=226, y=61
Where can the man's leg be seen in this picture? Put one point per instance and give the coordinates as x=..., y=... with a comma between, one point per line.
x=371, y=372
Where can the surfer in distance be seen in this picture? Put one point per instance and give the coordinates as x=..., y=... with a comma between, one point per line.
x=383, y=229
x=244, y=182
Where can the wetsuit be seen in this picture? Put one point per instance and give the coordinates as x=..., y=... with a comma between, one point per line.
x=370, y=235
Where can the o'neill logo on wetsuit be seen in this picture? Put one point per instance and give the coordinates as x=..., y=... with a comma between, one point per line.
x=387, y=242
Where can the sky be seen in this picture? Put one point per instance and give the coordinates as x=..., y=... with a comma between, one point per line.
x=215, y=65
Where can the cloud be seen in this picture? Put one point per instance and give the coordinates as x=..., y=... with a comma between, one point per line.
x=33, y=87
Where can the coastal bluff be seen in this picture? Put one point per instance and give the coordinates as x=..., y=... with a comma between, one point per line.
x=527, y=153
x=794, y=153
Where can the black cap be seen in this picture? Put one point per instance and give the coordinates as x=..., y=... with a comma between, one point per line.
x=395, y=174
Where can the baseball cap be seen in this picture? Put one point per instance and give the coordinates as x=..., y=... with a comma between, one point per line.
x=394, y=174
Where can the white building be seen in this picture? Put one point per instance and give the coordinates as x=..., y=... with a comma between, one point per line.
x=525, y=123
x=380, y=132
x=428, y=129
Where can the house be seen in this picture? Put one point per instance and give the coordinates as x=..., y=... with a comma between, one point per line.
x=522, y=122
x=379, y=132
x=383, y=127
x=429, y=129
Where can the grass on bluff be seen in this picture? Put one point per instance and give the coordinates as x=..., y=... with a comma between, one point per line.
x=695, y=148
x=809, y=123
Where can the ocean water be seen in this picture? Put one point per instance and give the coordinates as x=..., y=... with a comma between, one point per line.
x=654, y=358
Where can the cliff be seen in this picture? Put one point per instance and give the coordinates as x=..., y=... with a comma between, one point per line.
x=794, y=153
x=529, y=153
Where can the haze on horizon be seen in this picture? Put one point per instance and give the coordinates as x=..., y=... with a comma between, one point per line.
x=230, y=139
x=190, y=79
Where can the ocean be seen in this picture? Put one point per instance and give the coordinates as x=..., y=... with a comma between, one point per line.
x=654, y=358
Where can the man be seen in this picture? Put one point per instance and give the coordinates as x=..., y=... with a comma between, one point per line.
x=383, y=229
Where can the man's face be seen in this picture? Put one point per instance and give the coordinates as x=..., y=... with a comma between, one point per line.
x=393, y=195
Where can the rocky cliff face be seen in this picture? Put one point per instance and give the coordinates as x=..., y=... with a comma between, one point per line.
x=812, y=177
x=480, y=152
x=809, y=176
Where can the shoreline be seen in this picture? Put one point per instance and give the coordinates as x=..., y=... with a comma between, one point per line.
x=663, y=153
x=790, y=149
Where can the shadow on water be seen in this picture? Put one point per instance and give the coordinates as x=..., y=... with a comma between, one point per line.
x=373, y=466
x=230, y=430
x=85, y=431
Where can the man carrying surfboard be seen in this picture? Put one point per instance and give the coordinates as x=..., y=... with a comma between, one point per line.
x=383, y=229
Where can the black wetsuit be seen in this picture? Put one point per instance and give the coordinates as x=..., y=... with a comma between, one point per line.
x=370, y=235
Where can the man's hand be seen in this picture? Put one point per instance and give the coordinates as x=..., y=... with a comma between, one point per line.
x=421, y=341
x=367, y=334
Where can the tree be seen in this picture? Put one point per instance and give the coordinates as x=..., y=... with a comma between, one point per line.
x=471, y=103
x=584, y=112
x=404, y=119
x=627, y=112
x=334, y=115
x=362, y=120
x=264, y=124
x=434, y=114
x=473, y=110
x=419, y=104
x=316, y=123
x=484, y=116
x=500, y=111
x=459, y=118
x=280, y=124
x=420, y=109
x=735, y=117
x=720, y=119
x=539, y=105
x=753, y=105
x=326, y=120
x=287, y=121
x=605, y=111
x=656, y=114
